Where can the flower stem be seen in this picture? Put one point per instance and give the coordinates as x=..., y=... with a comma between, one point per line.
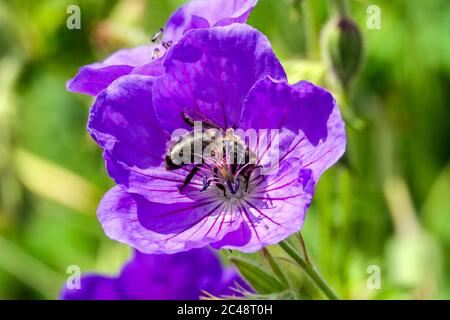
x=341, y=7
x=275, y=267
x=303, y=246
x=310, y=270
x=305, y=11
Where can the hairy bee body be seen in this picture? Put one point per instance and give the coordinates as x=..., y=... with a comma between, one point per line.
x=228, y=158
x=209, y=144
x=182, y=153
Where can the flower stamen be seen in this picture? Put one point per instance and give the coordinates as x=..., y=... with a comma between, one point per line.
x=157, y=38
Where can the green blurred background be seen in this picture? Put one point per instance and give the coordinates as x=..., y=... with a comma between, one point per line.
x=387, y=204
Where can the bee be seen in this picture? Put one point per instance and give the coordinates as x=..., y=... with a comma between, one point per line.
x=225, y=153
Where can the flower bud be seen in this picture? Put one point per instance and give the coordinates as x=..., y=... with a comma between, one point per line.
x=342, y=49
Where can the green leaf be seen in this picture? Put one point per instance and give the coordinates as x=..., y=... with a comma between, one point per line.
x=260, y=280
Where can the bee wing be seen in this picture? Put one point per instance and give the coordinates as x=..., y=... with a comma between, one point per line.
x=190, y=116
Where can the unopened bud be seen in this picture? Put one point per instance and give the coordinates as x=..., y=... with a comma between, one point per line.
x=342, y=49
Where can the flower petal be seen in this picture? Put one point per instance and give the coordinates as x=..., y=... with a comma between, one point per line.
x=155, y=184
x=211, y=71
x=123, y=123
x=238, y=238
x=275, y=209
x=93, y=287
x=176, y=276
x=163, y=228
x=309, y=112
x=93, y=78
x=181, y=276
x=132, y=57
x=214, y=12
x=196, y=22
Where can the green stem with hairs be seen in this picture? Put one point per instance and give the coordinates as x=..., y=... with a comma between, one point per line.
x=275, y=267
x=310, y=270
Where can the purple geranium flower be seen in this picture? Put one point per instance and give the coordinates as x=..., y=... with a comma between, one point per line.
x=228, y=76
x=147, y=60
x=182, y=276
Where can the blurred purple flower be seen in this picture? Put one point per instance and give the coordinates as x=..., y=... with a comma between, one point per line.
x=181, y=276
x=230, y=76
x=93, y=78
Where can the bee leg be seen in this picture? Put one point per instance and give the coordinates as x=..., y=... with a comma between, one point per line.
x=247, y=180
x=247, y=174
x=222, y=187
x=206, y=184
x=190, y=176
x=187, y=119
